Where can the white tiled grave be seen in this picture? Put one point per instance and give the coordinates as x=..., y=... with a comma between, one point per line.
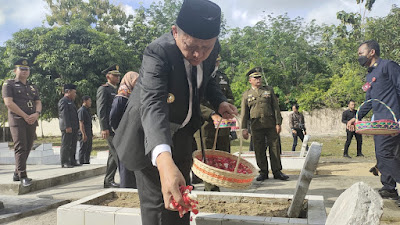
x=83, y=212
x=44, y=154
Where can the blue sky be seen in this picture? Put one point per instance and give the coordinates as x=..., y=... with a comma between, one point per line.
x=26, y=14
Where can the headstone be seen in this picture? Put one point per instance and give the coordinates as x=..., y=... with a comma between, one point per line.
x=304, y=145
x=306, y=174
x=359, y=204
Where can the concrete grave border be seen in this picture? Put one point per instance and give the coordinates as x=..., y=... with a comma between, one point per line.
x=80, y=213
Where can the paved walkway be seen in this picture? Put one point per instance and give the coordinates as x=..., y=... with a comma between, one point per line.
x=330, y=186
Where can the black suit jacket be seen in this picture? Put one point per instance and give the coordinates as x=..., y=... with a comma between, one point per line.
x=68, y=116
x=149, y=120
x=104, y=98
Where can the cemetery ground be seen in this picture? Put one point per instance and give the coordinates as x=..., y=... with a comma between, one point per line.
x=334, y=175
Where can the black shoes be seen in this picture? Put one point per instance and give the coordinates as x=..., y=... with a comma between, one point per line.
x=262, y=177
x=26, y=182
x=66, y=165
x=16, y=178
x=281, y=176
x=347, y=156
x=360, y=155
x=76, y=164
x=374, y=171
x=388, y=194
x=111, y=185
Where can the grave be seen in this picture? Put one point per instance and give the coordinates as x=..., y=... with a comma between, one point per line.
x=42, y=155
x=89, y=211
x=308, y=209
x=290, y=160
x=359, y=204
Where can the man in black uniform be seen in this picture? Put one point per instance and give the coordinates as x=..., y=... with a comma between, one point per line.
x=155, y=136
x=383, y=83
x=346, y=116
x=24, y=107
x=105, y=96
x=85, y=130
x=69, y=125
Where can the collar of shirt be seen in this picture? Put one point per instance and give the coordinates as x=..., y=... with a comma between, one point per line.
x=374, y=66
x=114, y=86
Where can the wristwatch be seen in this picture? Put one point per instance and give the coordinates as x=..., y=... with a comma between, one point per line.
x=38, y=112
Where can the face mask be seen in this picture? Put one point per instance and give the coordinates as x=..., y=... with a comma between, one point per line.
x=362, y=60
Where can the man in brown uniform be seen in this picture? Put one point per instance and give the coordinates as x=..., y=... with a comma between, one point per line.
x=260, y=104
x=24, y=108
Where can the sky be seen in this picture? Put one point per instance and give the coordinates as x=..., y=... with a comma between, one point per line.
x=27, y=14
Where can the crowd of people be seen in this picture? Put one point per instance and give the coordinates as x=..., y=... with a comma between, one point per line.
x=150, y=120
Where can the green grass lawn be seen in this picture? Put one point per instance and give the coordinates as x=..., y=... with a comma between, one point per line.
x=332, y=146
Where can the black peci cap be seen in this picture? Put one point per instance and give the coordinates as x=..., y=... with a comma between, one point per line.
x=200, y=19
x=114, y=70
x=69, y=87
x=22, y=64
x=255, y=72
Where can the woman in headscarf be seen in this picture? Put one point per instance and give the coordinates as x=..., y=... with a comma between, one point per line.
x=128, y=179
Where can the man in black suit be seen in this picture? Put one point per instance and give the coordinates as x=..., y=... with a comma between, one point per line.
x=69, y=125
x=155, y=135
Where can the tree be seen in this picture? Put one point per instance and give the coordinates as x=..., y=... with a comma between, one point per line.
x=103, y=15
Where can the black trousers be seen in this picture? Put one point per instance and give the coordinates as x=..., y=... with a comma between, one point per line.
x=112, y=162
x=350, y=135
x=127, y=177
x=68, y=146
x=85, y=148
x=388, y=160
x=149, y=187
x=299, y=134
x=23, y=137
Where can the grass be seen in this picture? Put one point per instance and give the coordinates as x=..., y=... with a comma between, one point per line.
x=332, y=145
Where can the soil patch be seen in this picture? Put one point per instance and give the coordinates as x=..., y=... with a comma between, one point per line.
x=235, y=205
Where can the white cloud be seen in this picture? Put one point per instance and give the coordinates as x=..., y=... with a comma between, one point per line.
x=128, y=9
x=26, y=13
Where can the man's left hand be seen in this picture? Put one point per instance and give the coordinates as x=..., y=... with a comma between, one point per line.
x=227, y=110
x=278, y=129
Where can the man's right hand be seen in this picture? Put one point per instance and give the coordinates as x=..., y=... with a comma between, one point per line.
x=105, y=134
x=245, y=134
x=350, y=124
x=68, y=130
x=294, y=131
x=171, y=179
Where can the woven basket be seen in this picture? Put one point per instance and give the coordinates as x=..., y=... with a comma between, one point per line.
x=377, y=127
x=219, y=177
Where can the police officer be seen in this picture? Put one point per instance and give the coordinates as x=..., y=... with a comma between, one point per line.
x=260, y=104
x=69, y=125
x=24, y=108
x=105, y=96
x=383, y=82
x=209, y=116
x=85, y=130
